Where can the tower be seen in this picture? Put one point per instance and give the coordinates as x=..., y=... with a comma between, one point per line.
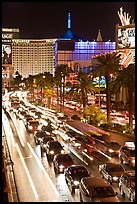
x=69, y=21
x=99, y=37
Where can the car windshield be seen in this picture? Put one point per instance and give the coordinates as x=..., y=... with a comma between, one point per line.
x=132, y=153
x=132, y=182
x=54, y=145
x=114, y=144
x=103, y=192
x=115, y=168
x=64, y=158
x=34, y=123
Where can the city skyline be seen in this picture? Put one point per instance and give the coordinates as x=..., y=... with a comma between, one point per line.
x=28, y=17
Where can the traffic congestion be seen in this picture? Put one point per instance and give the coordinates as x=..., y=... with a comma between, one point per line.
x=83, y=167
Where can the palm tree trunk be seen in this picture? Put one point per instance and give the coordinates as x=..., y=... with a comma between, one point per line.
x=108, y=97
x=131, y=110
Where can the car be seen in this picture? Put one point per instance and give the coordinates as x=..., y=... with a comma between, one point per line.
x=38, y=136
x=74, y=174
x=127, y=155
x=45, y=140
x=61, y=162
x=111, y=171
x=113, y=148
x=37, y=115
x=95, y=189
x=127, y=185
x=47, y=128
x=27, y=118
x=21, y=114
x=52, y=148
x=33, y=125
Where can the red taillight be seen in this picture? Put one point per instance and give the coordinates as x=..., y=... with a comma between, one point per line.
x=35, y=127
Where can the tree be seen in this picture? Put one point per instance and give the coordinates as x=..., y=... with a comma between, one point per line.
x=94, y=114
x=17, y=80
x=105, y=65
x=60, y=74
x=126, y=78
x=82, y=88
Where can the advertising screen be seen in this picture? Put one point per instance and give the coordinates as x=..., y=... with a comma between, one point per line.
x=6, y=54
x=125, y=37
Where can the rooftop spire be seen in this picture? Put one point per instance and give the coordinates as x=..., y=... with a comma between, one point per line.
x=69, y=22
x=99, y=37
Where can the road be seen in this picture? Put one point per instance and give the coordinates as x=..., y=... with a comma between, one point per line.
x=35, y=176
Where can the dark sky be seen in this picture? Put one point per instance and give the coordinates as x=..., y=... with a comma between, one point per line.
x=41, y=20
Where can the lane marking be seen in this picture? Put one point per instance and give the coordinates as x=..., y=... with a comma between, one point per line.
x=42, y=167
x=28, y=174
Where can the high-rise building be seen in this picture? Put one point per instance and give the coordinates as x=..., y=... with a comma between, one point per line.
x=31, y=57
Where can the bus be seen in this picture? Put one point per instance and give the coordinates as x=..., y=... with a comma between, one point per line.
x=14, y=102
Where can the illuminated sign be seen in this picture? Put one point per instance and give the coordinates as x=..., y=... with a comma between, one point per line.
x=125, y=37
x=7, y=36
x=6, y=54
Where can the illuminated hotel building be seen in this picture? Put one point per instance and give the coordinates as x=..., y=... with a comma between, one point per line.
x=31, y=57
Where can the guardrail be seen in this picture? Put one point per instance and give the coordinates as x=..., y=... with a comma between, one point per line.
x=9, y=188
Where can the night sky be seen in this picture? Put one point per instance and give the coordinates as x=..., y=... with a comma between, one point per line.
x=42, y=20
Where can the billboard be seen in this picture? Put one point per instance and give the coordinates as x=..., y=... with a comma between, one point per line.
x=125, y=37
x=6, y=54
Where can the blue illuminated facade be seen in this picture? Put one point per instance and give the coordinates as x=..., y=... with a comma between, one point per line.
x=74, y=50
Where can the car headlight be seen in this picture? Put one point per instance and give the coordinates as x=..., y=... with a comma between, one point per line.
x=76, y=183
x=51, y=152
x=40, y=139
x=63, y=151
x=39, y=127
x=111, y=150
x=61, y=167
x=133, y=161
x=115, y=178
x=30, y=127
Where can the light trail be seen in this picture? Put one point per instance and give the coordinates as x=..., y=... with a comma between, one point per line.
x=38, y=160
x=28, y=174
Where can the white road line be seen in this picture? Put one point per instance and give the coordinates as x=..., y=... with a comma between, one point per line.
x=38, y=160
x=21, y=141
x=28, y=174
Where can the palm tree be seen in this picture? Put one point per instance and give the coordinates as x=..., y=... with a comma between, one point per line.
x=105, y=65
x=126, y=78
x=82, y=88
x=60, y=74
x=17, y=80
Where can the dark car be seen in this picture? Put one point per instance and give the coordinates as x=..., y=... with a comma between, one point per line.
x=127, y=155
x=52, y=148
x=44, y=142
x=38, y=136
x=127, y=185
x=33, y=125
x=95, y=189
x=61, y=162
x=73, y=175
x=47, y=128
x=113, y=148
x=27, y=118
x=37, y=115
x=111, y=171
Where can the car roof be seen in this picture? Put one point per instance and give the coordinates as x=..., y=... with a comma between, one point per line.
x=76, y=167
x=95, y=182
x=112, y=164
x=129, y=173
